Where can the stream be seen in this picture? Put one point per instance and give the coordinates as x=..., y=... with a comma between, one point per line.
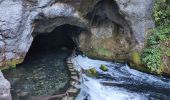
x=119, y=82
x=41, y=74
x=45, y=73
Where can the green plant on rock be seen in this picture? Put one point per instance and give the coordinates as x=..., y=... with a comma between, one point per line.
x=103, y=67
x=155, y=38
x=156, y=46
x=151, y=57
x=162, y=12
x=9, y=65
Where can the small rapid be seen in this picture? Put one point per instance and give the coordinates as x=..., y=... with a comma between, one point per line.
x=119, y=83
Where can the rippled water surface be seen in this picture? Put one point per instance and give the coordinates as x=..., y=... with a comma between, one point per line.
x=120, y=82
x=42, y=73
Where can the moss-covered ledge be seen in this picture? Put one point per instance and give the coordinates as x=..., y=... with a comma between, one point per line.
x=10, y=64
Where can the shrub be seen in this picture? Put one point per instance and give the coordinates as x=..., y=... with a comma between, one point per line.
x=151, y=57
x=162, y=12
x=155, y=47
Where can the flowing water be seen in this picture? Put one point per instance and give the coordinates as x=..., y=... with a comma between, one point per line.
x=119, y=82
x=45, y=73
x=42, y=73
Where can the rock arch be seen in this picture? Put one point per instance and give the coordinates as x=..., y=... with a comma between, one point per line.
x=20, y=18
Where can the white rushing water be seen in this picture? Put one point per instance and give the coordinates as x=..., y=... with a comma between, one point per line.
x=126, y=83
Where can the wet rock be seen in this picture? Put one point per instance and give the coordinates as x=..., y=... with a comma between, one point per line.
x=92, y=72
x=104, y=68
x=4, y=88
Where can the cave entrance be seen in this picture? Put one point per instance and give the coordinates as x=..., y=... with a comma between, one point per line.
x=44, y=71
x=64, y=36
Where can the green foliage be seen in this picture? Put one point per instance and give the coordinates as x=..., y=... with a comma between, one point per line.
x=103, y=67
x=155, y=48
x=162, y=12
x=155, y=38
x=168, y=53
x=151, y=57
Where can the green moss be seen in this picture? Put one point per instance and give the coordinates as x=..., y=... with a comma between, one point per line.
x=91, y=72
x=136, y=62
x=100, y=53
x=136, y=58
x=104, y=52
x=4, y=68
x=103, y=67
x=9, y=65
x=140, y=68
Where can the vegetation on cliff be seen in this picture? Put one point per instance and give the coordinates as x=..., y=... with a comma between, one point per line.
x=156, y=54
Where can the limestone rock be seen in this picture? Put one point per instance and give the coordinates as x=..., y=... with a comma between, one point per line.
x=114, y=27
x=4, y=88
x=138, y=14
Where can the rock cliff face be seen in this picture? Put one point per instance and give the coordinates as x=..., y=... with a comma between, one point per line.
x=114, y=27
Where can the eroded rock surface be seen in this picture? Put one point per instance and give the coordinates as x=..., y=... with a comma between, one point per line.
x=138, y=14
x=18, y=20
x=114, y=27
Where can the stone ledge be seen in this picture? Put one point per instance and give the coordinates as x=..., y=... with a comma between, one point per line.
x=73, y=90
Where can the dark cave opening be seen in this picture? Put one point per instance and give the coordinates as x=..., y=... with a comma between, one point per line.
x=64, y=36
x=44, y=71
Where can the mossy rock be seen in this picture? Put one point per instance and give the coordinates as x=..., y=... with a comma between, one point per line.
x=103, y=68
x=141, y=68
x=10, y=65
x=136, y=58
x=91, y=72
x=136, y=62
